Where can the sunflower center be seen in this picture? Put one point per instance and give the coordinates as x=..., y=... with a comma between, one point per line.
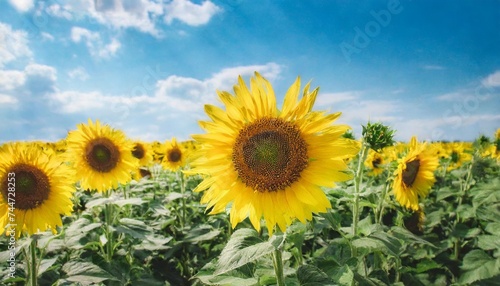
x=376, y=162
x=174, y=155
x=32, y=186
x=102, y=155
x=138, y=151
x=410, y=174
x=269, y=154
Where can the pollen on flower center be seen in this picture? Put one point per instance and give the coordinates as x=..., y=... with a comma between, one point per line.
x=102, y=155
x=269, y=154
x=410, y=174
x=32, y=186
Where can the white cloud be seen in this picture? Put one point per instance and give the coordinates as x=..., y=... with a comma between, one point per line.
x=7, y=99
x=336, y=97
x=172, y=98
x=361, y=111
x=434, y=129
x=81, y=34
x=143, y=15
x=46, y=36
x=110, y=49
x=138, y=14
x=94, y=42
x=11, y=79
x=226, y=78
x=35, y=79
x=492, y=80
x=13, y=44
x=22, y=5
x=44, y=71
x=189, y=12
x=78, y=73
x=465, y=95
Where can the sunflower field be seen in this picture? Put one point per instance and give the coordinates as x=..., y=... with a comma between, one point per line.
x=268, y=195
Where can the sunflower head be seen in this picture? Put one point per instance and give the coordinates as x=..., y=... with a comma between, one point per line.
x=415, y=174
x=270, y=163
x=375, y=161
x=175, y=155
x=142, y=152
x=39, y=184
x=102, y=156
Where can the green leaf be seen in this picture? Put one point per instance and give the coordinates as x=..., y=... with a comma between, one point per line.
x=407, y=236
x=172, y=197
x=310, y=275
x=479, y=266
x=85, y=273
x=426, y=265
x=98, y=202
x=446, y=192
x=45, y=264
x=131, y=201
x=243, y=247
x=392, y=244
x=493, y=228
x=344, y=276
x=488, y=242
x=201, y=233
x=154, y=242
x=135, y=228
x=370, y=244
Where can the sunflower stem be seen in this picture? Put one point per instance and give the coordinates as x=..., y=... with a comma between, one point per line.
x=357, y=185
x=183, y=190
x=278, y=267
x=33, y=262
x=381, y=204
x=108, y=212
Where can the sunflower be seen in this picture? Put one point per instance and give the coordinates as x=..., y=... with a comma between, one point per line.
x=415, y=174
x=176, y=155
x=35, y=190
x=143, y=153
x=457, y=154
x=375, y=161
x=101, y=156
x=266, y=162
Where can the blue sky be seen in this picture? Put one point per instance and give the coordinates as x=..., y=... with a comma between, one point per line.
x=147, y=67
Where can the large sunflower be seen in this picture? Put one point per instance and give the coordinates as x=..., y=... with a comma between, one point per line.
x=35, y=190
x=101, y=156
x=176, y=155
x=414, y=176
x=266, y=162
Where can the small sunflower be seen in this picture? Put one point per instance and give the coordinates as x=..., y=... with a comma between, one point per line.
x=375, y=161
x=101, y=156
x=143, y=153
x=266, y=162
x=35, y=190
x=415, y=175
x=175, y=155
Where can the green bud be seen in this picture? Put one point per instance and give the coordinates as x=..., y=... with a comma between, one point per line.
x=378, y=136
x=349, y=135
